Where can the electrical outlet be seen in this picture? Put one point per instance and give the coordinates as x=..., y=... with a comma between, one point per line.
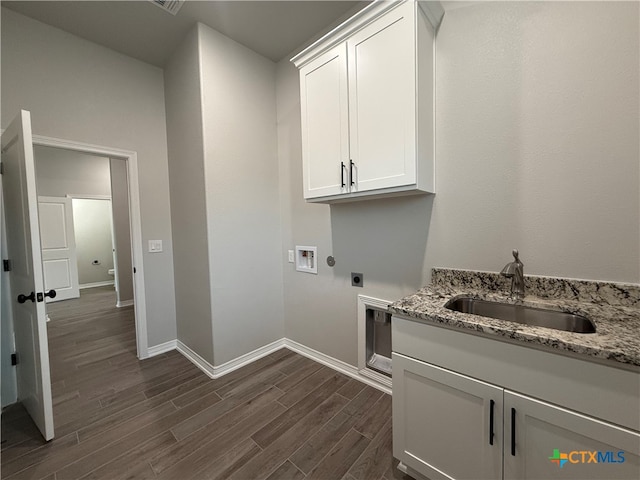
x=292, y=257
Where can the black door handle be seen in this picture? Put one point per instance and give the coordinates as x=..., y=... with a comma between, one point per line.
x=491, y=405
x=351, y=164
x=51, y=293
x=23, y=298
x=342, y=167
x=513, y=432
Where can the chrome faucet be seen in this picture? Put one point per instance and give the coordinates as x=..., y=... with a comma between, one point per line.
x=515, y=271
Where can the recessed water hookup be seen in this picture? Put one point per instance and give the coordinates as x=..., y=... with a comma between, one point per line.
x=307, y=259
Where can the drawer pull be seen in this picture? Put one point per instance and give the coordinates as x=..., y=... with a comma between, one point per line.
x=351, y=164
x=513, y=432
x=491, y=407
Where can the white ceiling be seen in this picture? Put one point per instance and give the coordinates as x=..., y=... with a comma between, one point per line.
x=144, y=31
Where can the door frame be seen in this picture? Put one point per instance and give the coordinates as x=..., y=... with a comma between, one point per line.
x=135, y=224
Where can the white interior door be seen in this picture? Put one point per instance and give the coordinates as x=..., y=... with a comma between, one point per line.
x=59, y=259
x=26, y=277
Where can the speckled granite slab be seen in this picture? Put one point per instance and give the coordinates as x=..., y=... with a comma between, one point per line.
x=613, y=307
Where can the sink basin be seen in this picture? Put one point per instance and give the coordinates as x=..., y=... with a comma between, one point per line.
x=538, y=317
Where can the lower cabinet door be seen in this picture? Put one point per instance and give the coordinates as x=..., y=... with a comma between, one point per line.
x=443, y=425
x=543, y=441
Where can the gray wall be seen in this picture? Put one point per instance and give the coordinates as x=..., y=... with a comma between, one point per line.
x=188, y=204
x=94, y=241
x=77, y=90
x=61, y=172
x=243, y=217
x=224, y=196
x=538, y=139
x=121, y=227
x=536, y=148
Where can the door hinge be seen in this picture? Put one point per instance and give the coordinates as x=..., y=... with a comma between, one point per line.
x=134, y=269
x=6, y=265
x=14, y=359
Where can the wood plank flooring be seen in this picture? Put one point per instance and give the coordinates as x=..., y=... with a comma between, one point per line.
x=281, y=417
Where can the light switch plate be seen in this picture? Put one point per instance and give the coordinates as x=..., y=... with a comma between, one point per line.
x=291, y=256
x=155, y=246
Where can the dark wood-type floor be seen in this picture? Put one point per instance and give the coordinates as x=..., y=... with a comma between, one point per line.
x=281, y=417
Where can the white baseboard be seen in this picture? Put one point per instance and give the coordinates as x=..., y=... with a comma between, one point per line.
x=96, y=284
x=162, y=348
x=370, y=378
x=247, y=358
x=228, y=367
x=196, y=359
x=126, y=303
x=336, y=364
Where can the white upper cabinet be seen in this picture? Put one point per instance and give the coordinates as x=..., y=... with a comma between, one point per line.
x=325, y=124
x=366, y=92
x=382, y=93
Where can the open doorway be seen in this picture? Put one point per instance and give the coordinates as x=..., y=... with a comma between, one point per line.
x=21, y=176
x=84, y=223
x=129, y=171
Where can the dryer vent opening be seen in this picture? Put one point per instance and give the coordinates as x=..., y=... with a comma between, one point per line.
x=378, y=340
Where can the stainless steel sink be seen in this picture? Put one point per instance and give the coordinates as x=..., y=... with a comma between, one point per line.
x=539, y=317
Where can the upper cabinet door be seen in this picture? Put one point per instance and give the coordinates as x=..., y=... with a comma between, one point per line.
x=382, y=101
x=325, y=128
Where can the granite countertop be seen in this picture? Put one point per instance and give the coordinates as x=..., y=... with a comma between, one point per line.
x=614, y=308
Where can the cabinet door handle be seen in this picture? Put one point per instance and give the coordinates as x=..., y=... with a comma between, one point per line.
x=351, y=164
x=342, y=167
x=491, y=407
x=513, y=432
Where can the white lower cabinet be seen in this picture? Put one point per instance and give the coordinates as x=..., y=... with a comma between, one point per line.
x=442, y=422
x=451, y=426
x=554, y=443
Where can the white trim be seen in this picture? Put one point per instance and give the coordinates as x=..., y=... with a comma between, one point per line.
x=335, y=364
x=135, y=221
x=433, y=10
x=96, y=284
x=344, y=30
x=196, y=359
x=126, y=303
x=247, y=358
x=230, y=366
x=373, y=379
x=88, y=197
x=162, y=348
